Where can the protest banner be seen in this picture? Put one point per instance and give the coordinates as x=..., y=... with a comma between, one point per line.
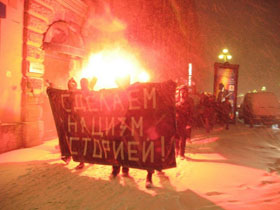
x=133, y=127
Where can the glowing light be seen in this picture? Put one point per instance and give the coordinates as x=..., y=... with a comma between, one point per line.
x=9, y=74
x=144, y=77
x=111, y=67
x=263, y=88
x=225, y=55
x=190, y=75
x=225, y=51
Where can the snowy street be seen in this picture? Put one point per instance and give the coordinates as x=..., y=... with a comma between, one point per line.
x=224, y=169
x=88, y=86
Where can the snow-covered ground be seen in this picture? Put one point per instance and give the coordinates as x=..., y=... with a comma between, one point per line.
x=225, y=169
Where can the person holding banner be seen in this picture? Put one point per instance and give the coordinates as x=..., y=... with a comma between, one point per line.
x=125, y=173
x=72, y=86
x=149, y=182
x=85, y=88
x=116, y=170
x=134, y=127
x=122, y=83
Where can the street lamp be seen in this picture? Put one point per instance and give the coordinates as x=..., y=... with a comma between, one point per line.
x=225, y=55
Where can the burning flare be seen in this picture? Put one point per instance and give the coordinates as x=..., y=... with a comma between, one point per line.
x=110, y=67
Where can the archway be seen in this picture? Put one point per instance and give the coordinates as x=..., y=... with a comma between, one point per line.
x=64, y=50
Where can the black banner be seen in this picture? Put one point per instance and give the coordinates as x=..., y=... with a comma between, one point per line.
x=133, y=127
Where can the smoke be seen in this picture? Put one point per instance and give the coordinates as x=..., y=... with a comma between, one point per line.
x=102, y=28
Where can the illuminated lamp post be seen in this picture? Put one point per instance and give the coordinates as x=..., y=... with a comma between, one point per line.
x=225, y=55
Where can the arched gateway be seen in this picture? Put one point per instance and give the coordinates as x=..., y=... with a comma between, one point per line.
x=52, y=46
x=64, y=50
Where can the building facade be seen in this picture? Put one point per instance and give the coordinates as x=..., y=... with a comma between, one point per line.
x=43, y=41
x=40, y=41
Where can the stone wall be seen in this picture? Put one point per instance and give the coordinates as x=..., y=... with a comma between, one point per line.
x=38, y=16
x=10, y=135
x=10, y=75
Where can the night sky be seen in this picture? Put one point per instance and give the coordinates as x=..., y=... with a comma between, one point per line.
x=171, y=33
x=250, y=29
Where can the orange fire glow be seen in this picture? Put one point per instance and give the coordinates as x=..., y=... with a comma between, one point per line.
x=112, y=65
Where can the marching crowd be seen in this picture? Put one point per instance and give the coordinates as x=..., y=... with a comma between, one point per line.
x=192, y=110
x=199, y=110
